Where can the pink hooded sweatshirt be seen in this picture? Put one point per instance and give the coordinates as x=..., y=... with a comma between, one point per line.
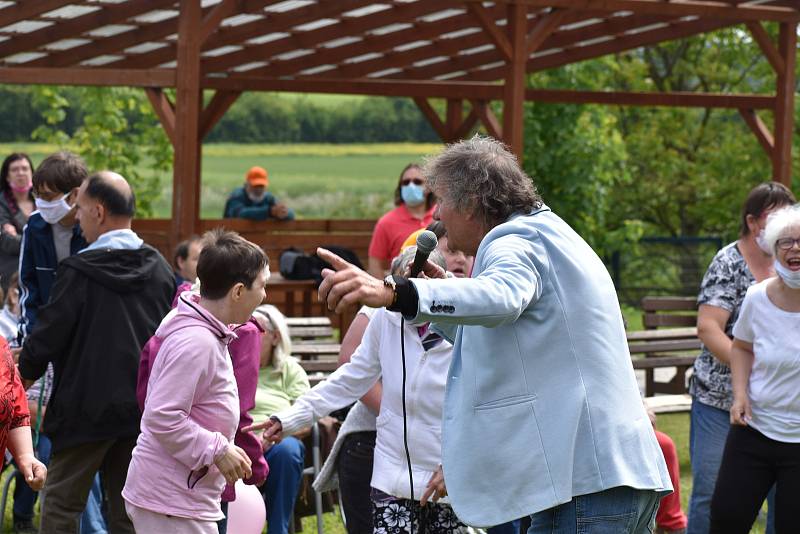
x=190, y=416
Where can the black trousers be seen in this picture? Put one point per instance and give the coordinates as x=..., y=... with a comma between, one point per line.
x=355, y=475
x=751, y=464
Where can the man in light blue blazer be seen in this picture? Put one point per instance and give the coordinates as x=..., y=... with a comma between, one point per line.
x=542, y=413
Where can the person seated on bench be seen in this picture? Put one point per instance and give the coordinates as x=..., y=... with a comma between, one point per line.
x=281, y=380
x=378, y=356
x=734, y=268
x=253, y=201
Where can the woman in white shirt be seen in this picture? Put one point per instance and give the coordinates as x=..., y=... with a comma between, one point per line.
x=428, y=358
x=763, y=446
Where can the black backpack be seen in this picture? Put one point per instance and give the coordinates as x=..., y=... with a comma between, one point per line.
x=294, y=264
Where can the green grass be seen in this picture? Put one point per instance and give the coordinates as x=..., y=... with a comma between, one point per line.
x=317, y=180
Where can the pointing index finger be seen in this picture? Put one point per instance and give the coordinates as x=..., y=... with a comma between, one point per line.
x=336, y=262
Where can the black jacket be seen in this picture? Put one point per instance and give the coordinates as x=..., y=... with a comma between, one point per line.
x=104, y=306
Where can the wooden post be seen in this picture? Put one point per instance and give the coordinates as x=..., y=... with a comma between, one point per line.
x=514, y=88
x=186, y=170
x=455, y=112
x=784, y=106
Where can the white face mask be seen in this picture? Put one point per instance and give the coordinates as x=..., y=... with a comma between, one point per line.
x=789, y=277
x=257, y=198
x=762, y=243
x=53, y=211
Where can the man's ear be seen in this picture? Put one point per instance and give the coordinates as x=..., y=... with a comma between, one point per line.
x=102, y=213
x=236, y=291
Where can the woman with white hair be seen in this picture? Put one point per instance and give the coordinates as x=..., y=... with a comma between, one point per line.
x=281, y=381
x=763, y=445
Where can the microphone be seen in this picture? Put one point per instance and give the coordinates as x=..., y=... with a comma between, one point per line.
x=426, y=242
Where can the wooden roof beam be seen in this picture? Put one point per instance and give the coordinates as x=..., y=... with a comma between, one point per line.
x=545, y=25
x=487, y=118
x=411, y=89
x=108, y=14
x=759, y=129
x=236, y=35
x=22, y=10
x=215, y=110
x=100, y=77
x=620, y=44
x=683, y=8
x=558, y=39
x=671, y=99
x=164, y=109
x=220, y=12
x=376, y=43
x=767, y=46
x=313, y=38
x=487, y=22
x=433, y=118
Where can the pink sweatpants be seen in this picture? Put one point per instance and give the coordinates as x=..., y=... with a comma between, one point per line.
x=147, y=522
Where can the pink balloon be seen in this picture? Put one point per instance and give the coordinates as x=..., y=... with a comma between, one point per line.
x=247, y=514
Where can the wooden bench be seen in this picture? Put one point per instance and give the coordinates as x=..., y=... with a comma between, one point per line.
x=669, y=403
x=311, y=330
x=669, y=340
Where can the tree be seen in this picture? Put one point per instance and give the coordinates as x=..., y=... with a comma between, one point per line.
x=118, y=131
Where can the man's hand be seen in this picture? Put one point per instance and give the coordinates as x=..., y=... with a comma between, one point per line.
x=347, y=285
x=33, y=470
x=234, y=464
x=279, y=210
x=429, y=270
x=9, y=229
x=436, y=488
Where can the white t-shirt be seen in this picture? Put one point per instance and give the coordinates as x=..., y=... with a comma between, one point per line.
x=774, y=387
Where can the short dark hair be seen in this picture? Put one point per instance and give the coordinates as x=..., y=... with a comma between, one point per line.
x=5, y=169
x=182, y=250
x=430, y=198
x=764, y=197
x=227, y=259
x=115, y=201
x=60, y=172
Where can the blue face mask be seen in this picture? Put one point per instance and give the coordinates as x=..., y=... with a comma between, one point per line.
x=412, y=194
x=790, y=278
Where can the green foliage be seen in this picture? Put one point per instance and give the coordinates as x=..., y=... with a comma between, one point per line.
x=118, y=131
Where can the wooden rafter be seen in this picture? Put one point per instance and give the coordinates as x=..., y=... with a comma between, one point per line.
x=558, y=39
x=433, y=118
x=488, y=118
x=682, y=8
x=620, y=44
x=487, y=22
x=370, y=44
x=88, y=76
x=670, y=99
x=164, y=109
x=467, y=125
x=69, y=28
x=767, y=46
x=313, y=38
x=545, y=25
x=215, y=110
x=759, y=129
x=27, y=10
x=221, y=11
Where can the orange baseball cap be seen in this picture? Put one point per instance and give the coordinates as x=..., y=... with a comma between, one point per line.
x=257, y=176
x=411, y=240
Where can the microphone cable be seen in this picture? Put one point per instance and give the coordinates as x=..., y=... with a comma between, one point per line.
x=405, y=423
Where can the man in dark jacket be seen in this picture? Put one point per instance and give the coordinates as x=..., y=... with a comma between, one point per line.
x=105, y=304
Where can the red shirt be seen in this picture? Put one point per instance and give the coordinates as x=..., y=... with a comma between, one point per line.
x=394, y=228
x=13, y=403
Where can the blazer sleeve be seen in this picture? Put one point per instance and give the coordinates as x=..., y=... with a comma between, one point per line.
x=55, y=326
x=508, y=283
x=182, y=371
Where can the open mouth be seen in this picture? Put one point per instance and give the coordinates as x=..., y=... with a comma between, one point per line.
x=793, y=263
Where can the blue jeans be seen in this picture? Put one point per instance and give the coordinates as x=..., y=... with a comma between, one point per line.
x=286, y=459
x=708, y=432
x=512, y=527
x=92, y=521
x=620, y=510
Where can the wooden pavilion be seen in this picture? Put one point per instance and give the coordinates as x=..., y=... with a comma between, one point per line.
x=469, y=52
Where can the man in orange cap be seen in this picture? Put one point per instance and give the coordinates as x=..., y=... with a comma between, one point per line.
x=253, y=201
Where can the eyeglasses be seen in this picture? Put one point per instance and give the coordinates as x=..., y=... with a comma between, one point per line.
x=415, y=181
x=785, y=243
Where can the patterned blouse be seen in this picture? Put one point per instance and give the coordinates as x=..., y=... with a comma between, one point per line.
x=724, y=286
x=13, y=404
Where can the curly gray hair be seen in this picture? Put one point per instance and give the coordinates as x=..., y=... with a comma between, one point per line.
x=480, y=176
x=779, y=223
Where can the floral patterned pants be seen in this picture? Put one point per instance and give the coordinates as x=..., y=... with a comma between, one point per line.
x=392, y=515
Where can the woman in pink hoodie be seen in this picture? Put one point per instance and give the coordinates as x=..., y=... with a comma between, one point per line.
x=185, y=452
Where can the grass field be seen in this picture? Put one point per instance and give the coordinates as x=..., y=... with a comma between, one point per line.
x=318, y=181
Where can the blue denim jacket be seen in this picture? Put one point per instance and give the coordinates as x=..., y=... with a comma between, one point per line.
x=542, y=403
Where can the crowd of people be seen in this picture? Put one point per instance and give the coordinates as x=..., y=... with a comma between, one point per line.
x=494, y=387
